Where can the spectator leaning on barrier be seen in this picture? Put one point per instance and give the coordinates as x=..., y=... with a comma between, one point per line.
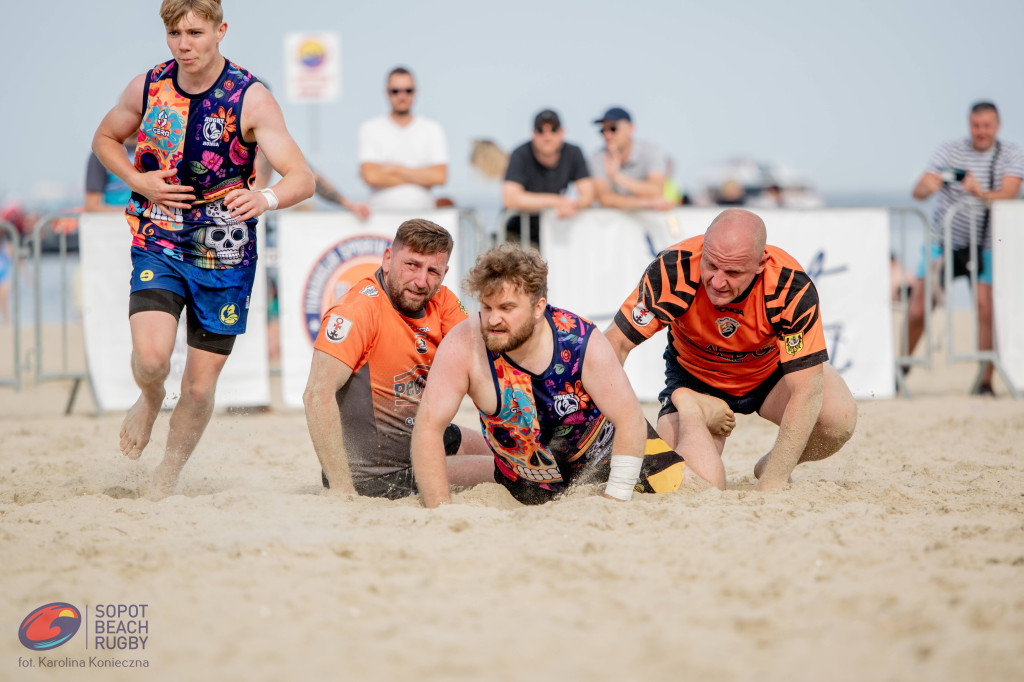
x=104, y=191
x=628, y=173
x=539, y=174
x=975, y=169
x=402, y=156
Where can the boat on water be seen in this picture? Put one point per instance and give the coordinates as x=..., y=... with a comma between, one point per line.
x=755, y=184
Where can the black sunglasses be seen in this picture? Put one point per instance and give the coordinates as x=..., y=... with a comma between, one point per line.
x=408, y=91
x=608, y=129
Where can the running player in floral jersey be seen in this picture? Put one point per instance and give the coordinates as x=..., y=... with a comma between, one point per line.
x=199, y=119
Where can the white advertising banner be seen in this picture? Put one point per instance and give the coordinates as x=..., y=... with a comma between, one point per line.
x=105, y=252
x=1007, y=283
x=313, y=66
x=598, y=256
x=322, y=255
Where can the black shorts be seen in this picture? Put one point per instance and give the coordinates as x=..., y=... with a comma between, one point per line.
x=677, y=377
x=172, y=303
x=401, y=483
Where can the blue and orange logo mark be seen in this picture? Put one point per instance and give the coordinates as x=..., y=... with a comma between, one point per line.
x=49, y=626
x=311, y=53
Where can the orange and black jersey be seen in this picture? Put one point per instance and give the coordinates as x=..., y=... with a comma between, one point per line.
x=390, y=355
x=735, y=347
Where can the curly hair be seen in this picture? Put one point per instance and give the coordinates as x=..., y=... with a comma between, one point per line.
x=523, y=269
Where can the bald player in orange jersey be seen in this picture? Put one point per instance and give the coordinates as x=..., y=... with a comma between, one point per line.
x=744, y=326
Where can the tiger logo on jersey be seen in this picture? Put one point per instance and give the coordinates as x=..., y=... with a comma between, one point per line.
x=794, y=343
x=727, y=326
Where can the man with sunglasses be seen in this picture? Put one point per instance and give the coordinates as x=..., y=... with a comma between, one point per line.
x=402, y=156
x=628, y=173
x=539, y=173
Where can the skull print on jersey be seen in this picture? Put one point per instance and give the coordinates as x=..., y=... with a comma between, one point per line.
x=199, y=136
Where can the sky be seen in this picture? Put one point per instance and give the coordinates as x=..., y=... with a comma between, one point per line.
x=856, y=95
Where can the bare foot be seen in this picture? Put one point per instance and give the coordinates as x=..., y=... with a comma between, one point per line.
x=164, y=481
x=759, y=468
x=717, y=415
x=137, y=427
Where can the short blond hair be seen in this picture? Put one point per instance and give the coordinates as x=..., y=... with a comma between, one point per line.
x=173, y=11
x=525, y=270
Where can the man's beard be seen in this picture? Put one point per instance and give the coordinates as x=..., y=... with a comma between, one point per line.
x=509, y=342
x=405, y=305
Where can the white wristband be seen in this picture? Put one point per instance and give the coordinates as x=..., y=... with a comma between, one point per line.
x=625, y=470
x=271, y=198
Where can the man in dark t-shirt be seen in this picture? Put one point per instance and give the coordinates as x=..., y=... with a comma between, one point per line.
x=540, y=171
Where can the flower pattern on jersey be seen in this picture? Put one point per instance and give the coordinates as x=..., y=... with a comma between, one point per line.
x=544, y=424
x=198, y=136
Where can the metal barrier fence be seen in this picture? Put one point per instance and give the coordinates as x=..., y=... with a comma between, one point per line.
x=976, y=210
x=501, y=235
x=904, y=360
x=52, y=222
x=15, y=317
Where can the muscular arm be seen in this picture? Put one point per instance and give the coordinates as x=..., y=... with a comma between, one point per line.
x=263, y=122
x=383, y=175
x=929, y=184
x=606, y=383
x=325, y=190
x=326, y=376
x=108, y=145
x=516, y=198
x=609, y=198
x=1009, y=188
x=621, y=346
x=447, y=384
x=806, y=387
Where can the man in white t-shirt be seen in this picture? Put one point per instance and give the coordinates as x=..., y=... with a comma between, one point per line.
x=402, y=156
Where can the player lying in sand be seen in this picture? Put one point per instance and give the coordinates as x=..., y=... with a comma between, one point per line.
x=556, y=407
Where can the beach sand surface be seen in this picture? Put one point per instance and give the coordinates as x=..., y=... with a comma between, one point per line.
x=900, y=558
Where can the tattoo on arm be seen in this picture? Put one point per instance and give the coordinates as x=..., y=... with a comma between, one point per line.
x=326, y=191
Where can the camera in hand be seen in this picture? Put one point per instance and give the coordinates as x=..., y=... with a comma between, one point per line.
x=950, y=175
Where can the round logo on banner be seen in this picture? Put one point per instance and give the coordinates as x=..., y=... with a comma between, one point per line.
x=311, y=53
x=336, y=272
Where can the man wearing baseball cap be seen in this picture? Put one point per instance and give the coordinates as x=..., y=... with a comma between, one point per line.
x=628, y=173
x=539, y=173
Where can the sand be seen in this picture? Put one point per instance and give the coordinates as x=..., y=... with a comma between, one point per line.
x=900, y=558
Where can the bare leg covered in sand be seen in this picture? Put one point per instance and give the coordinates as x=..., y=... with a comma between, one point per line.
x=833, y=428
x=153, y=335
x=190, y=417
x=697, y=431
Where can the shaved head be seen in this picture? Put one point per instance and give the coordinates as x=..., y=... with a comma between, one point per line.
x=736, y=230
x=733, y=254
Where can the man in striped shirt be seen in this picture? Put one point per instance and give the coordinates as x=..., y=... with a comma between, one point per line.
x=977, y=169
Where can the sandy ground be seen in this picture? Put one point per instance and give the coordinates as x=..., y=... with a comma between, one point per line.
x=900, y=558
